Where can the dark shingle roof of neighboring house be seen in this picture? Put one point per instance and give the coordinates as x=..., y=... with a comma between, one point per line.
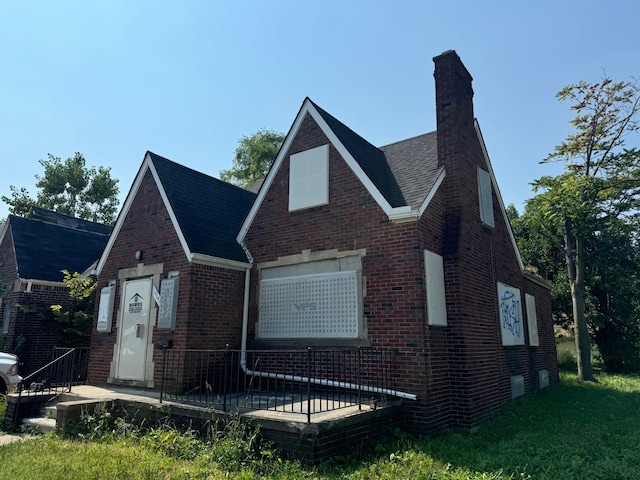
x=49, y=242
x=404, y=172
x=209, y=211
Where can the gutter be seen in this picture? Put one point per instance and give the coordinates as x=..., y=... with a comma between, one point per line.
x=297, y=378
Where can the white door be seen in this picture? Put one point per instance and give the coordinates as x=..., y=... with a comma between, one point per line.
x=134, y=330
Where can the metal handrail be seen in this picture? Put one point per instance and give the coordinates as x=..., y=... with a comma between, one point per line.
x=42, y=369
x=60, y=385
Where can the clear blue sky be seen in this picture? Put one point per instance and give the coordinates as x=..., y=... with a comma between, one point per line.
x=187, y=79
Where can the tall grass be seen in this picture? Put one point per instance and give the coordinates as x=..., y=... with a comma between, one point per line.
x=576, y=431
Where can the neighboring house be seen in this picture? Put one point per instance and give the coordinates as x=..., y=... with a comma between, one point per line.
x=175, y=235
x=33, y=252
x=405, y=247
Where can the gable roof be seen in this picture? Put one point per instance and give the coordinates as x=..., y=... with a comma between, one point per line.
x=49, y=242
x=206, y=212
x=401, y=177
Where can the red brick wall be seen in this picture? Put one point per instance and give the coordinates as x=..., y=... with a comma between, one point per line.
x=461, y=373
x=217, y=299
x=476, y=258
x=32, y=335
x=394, y=301
x=209, y=298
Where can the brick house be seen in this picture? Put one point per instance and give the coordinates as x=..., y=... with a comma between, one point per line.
x=33, y=251
x=173, y=240
x=405, y=247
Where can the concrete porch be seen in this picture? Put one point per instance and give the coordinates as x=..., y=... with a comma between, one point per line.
x=328, y=433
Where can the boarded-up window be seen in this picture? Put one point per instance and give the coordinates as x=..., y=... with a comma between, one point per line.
x=510, y=309
x=532, y=320
x=168, y=303
x=485, y=198
x=434, y=280
x=5, y=317
x=309, y=178
x=321, y=299
x=105, y=309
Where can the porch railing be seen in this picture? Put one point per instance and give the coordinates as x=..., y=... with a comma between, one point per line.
x=68, y=368
x=291, y=381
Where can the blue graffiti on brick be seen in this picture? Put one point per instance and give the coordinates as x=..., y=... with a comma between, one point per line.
x=510, y=312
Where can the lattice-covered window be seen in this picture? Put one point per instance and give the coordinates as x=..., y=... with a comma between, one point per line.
x=307, y=301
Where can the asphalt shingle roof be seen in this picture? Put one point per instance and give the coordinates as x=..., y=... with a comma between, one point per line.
x=49, y=242
x=404, y=172
x=209, y=211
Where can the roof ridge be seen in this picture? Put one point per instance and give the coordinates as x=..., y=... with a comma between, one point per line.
x=180, y=165
x=407, y=139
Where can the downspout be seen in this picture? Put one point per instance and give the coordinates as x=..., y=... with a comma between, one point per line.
x=297, y=378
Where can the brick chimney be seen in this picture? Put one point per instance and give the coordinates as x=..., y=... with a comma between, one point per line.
x=454, y=104
x=457, y=145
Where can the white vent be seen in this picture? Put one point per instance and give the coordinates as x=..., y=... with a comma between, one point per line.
x=543, y=378
x=325, y=305
x=517, y=386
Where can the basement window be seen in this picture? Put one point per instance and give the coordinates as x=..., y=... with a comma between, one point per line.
x=309, y=178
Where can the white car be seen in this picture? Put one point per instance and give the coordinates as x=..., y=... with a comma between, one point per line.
x=9, y=377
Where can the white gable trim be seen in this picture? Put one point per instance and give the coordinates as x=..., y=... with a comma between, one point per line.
x=307, y=107
x=133, y=192
x=498, y=195
x=4, y=229
x=432, y=192
x=218, y=262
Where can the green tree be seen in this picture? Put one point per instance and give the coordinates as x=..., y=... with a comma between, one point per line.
x=75, y=320
x=71, y=188
x=612, y=286
x=253, y=157
x=601, y=181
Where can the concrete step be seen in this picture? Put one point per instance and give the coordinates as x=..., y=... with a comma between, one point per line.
x=40, y=425
x=51, y=412
x=72, y=397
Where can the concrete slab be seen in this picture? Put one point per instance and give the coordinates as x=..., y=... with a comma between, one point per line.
x=7, y=439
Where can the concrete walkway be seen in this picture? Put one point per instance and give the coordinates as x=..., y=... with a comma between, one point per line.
x=7, y=438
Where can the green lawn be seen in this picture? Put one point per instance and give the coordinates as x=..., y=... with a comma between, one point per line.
x=575, y=431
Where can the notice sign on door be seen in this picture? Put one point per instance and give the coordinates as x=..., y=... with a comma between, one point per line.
x=135, y=304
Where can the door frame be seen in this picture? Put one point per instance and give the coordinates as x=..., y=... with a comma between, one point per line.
x=155, y=272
